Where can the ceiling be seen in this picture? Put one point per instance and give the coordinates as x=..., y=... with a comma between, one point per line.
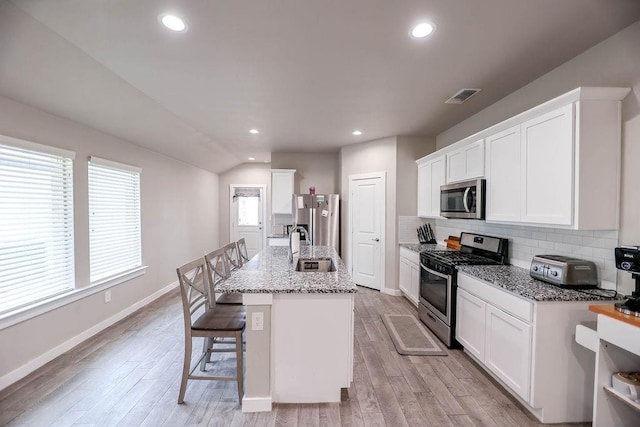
x=304, y=73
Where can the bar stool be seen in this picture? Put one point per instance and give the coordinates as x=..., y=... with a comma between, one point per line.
x=233, y=257
x=216, y=322
x=218, y=271
x=242, y=251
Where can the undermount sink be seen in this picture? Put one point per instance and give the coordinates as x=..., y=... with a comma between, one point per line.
x=315, y=265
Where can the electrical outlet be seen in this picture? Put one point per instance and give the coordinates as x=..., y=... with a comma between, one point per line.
x=107, y=296
x=257, y=321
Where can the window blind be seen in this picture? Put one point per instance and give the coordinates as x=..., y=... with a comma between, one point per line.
x=114, y=219
x=36, y=223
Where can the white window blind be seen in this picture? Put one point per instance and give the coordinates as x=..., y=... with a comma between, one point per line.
x=36, y=223
x=114, y=219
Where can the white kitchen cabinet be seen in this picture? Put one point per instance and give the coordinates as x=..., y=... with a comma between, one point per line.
x=409, y=275
x=508, y=350
x=503, y=176
x=558, y=164
x=282, y=183
x=470, y=323
x=466, y=162
x=546, y=167
x=528, y=347
x=431, y=175
x=618, y=350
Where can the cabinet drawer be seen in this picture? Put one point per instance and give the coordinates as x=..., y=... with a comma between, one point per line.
x=511, y=304
x=411, y=256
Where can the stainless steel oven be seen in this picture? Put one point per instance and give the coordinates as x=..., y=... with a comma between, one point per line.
x=463, y=199
x=438, y=277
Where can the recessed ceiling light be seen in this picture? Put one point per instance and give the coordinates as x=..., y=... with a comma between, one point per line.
x=422, y=30
x=266, y=161
x=252, y=158
x=173, y=23
x=254, y=131
x=356, y=133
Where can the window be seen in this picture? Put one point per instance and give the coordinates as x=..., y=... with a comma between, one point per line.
x=114, y=219
x=248, y=200
x=36, y=223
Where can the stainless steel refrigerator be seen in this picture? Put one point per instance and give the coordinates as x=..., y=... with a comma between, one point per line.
x=320, y=215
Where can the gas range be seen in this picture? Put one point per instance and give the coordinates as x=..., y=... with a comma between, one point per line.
x=438, y=279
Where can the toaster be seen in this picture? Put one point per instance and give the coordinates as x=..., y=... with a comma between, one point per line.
x=564, y=271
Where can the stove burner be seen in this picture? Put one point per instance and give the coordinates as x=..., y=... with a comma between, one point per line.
x=458, y=258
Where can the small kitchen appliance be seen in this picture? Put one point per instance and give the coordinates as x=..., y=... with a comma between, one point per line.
x=463, y=199
x=628, y=259
x=564, y=271
x=438, y=280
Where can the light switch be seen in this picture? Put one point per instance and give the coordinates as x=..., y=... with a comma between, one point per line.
x=257, y=321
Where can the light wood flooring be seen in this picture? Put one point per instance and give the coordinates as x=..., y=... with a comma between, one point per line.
x=129, y=375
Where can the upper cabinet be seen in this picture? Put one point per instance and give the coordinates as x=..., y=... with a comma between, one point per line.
x=556, y=165
x=431, y=175
x=282, y=190
x=467, y=162
x=560, y=167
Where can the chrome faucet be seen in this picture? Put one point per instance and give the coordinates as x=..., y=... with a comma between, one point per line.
x=306, y=237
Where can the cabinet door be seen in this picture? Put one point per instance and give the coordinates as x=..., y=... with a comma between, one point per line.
x=404, y=278
x=281, y=192
x=424, y=170
x=431, y=175
x=547, y=168
x=503, y=176
x=456, y=165
x=508, y=350
x=414, y=290
x=437, y=178
x=470, y=323
x=474, y=158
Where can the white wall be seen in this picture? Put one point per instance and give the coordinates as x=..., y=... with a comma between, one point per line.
x=179, y=222
x=312, y=169
x=613, y=62
x=246, y=173
x=368, y=157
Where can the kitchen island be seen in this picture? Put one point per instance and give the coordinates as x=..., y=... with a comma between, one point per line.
x=299, y=336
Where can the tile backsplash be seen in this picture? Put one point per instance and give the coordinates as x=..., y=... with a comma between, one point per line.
x=526, y=241
x=407, y=226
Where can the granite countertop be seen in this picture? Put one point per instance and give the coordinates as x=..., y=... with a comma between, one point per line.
x=518, y=281
x=422, y=247
x=278, y=236
x=271, y=272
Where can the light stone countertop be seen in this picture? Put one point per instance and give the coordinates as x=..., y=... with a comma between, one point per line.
x=422, y=247
x=518, y=281
x=271, y=272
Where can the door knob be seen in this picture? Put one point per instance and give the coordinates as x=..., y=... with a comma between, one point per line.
x=376, y=240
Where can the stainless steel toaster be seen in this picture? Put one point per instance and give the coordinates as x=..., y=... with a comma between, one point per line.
x=564, y=271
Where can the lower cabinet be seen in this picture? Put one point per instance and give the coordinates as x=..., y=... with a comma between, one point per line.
x=409, y=275
x=497, y=339
x=508, y=350
x=528, y=346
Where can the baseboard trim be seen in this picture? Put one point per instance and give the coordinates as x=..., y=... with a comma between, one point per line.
x=392, y=292
x=256, y=404
x=43, y=359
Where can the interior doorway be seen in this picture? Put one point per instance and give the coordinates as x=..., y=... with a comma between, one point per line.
x=247, y=214
x=366, y=224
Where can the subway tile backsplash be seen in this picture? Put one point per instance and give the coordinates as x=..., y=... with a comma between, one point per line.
x=525, y=242
x=407, y=226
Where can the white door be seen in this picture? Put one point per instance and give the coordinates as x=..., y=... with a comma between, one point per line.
x=367, y=203
x=508, y=350
x=503, y=175
x=247, y=217
x=470, y=323
x=547, y=168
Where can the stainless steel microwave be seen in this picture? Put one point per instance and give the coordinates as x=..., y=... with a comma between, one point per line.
x=463, y=199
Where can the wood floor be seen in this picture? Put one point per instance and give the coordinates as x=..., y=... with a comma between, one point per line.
x=129, y=375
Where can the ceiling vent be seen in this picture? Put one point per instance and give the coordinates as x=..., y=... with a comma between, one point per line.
x=461, y=96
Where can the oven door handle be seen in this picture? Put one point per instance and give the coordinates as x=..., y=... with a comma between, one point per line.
x=435, y=273
x=464, y=199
